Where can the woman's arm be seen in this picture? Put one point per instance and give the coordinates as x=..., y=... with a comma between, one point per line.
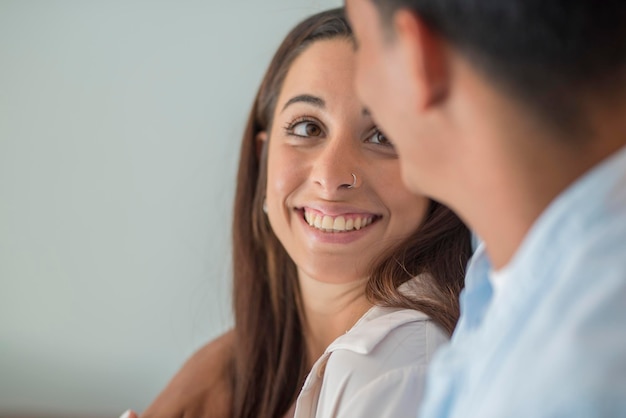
x=202, y=387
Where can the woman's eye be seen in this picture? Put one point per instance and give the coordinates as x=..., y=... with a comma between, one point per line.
x=379, y=138
x=306, y=129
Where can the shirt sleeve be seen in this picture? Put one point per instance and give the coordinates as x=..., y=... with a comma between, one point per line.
x=387, y=382
x=395, y=394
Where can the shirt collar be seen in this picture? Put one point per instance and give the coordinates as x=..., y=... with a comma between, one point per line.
x=379, y=321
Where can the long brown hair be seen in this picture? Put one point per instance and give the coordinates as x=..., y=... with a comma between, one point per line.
x=435, y=255
x=270, y=352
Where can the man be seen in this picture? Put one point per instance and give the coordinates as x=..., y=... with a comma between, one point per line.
x=513, y=113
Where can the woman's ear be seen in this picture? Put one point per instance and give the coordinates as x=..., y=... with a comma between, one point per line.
x=261, y=140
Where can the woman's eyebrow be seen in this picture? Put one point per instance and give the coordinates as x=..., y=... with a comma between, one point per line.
x=305, y=98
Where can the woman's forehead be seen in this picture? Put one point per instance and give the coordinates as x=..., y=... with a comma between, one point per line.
x=322, y=76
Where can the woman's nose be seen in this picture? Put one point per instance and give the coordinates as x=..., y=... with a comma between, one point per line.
x=335, y=166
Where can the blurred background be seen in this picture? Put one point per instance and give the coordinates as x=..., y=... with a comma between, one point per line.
x=120, y=124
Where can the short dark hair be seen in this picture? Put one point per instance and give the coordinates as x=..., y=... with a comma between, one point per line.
x=548, y=52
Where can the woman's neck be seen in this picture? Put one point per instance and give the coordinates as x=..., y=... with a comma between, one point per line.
x=330, y=310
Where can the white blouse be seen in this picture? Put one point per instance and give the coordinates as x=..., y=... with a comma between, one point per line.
x=377, y=369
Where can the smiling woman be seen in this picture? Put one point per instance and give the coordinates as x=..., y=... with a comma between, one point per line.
x=340, y=273
x=318, y=141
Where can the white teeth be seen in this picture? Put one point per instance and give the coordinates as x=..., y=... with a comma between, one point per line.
x=327, y=223
x=340, y=224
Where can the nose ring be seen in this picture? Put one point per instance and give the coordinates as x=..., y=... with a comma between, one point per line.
x=353, y=181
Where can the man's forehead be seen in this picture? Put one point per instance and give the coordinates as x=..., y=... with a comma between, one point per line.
x=359, y=10
x=349, y=6
x=346, y=5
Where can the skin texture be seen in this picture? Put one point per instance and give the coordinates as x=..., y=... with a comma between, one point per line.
x=313, y=149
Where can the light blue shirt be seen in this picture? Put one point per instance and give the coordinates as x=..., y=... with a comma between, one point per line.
x=550, y=339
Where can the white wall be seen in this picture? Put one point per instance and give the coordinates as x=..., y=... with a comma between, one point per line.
x=120, y=124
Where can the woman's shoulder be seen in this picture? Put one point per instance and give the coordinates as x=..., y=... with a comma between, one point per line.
x=202, y=384
x=386, y=353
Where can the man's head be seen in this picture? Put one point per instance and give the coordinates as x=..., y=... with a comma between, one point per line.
x=421, y=60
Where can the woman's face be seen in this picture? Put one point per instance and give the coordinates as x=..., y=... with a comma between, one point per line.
x=321, y=135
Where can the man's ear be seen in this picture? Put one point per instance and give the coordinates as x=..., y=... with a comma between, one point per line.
x=425, y=56
x=261, y=140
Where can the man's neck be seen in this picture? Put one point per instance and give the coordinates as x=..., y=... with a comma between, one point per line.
x=510, y=165
x=526, y=184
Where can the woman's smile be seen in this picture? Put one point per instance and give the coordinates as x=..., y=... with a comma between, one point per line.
x=346, y=222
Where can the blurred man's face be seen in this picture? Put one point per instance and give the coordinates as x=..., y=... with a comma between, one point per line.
x=373, y=77
x=382, y=84
x=390, y=83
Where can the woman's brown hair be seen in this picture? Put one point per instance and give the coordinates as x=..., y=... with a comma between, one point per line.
x=270, y=361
